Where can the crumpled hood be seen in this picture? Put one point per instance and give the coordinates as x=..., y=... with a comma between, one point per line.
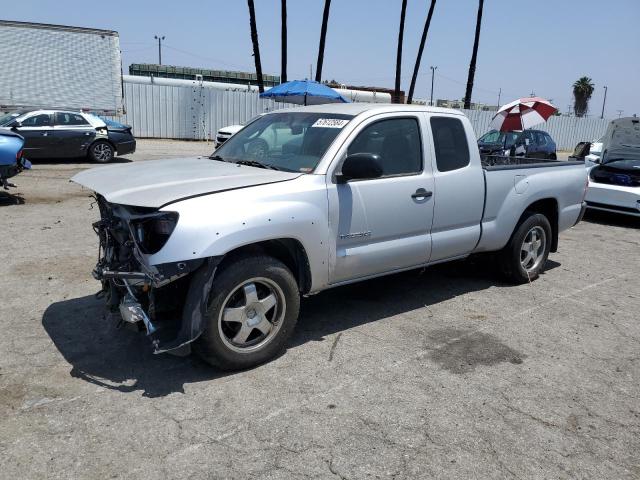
x=159, y=182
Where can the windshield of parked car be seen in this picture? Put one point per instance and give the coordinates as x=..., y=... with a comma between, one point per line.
x=503, y=138
x=7, y=118
x=293, y=142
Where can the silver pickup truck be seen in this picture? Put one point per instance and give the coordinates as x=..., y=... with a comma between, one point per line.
x=214, y=252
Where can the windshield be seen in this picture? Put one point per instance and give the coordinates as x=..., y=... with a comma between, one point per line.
x=504, y=138
x=293, y=142
x=6, y=119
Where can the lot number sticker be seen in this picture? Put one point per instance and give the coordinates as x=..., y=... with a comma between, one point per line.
x=330, y=123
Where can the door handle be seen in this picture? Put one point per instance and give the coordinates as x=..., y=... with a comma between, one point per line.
x=45, y=134
x=421, y=193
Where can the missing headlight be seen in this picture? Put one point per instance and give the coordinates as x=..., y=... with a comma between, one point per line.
x=151, y=234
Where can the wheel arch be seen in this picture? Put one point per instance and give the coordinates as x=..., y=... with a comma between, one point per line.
x=289, y=251
x=549, y=208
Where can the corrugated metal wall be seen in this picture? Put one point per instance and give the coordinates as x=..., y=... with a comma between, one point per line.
x=162, y=111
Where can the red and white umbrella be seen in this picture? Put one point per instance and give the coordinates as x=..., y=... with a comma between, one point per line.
x=522, y=113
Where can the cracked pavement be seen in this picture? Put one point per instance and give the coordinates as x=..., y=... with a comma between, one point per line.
x=442, y=373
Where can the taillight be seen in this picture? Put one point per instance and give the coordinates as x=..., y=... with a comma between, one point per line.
x=586, y=186
x=19, y=154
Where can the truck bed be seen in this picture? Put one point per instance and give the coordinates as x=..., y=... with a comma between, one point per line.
x=513, y=183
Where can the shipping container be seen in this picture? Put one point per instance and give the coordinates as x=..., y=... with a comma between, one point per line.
x=60, y=67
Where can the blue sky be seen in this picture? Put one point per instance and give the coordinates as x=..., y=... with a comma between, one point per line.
x=539, y=46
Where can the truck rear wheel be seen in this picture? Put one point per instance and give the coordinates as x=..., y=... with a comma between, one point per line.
x=524, y=257
x=252, y=310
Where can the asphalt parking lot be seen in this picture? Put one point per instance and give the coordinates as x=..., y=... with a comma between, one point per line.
x=442, y=373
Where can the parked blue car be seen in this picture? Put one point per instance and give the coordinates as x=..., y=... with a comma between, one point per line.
x=11, y=160
x=528, y=143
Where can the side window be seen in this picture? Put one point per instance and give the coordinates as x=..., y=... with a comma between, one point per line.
x=42, y=120
x=548, y=138
x=397, y=142
x=450, y=142
x=527, y=138
x=69, y=119
x=542, y=140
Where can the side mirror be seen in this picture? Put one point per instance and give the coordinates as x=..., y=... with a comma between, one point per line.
x=360, y=166
x=15, y=125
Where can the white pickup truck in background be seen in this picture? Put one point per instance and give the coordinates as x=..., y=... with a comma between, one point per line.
x=216, y=251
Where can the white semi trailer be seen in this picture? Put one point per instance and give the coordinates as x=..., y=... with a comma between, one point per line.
x=60, y=67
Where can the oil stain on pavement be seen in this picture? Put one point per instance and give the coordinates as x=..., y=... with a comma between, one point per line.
x=461, y=351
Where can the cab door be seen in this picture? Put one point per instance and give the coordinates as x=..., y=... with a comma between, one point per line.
x=384, y=224
x=37, y=131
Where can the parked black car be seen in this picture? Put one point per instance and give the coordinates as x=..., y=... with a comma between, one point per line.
x=527, y=143
x=66, y=134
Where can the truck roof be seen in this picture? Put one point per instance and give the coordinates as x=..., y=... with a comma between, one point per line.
x=358, y=108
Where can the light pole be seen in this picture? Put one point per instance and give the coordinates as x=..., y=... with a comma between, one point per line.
x=159, y=38
x=433, y=74
x=604, y=101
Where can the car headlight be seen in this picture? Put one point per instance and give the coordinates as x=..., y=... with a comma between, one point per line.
x=152, y=233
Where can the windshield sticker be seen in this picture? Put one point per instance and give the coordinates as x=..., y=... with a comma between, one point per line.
x=330, y=123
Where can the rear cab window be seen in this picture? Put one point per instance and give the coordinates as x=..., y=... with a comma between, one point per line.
x=450, y=143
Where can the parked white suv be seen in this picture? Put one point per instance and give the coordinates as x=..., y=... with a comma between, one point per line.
x=225, y=133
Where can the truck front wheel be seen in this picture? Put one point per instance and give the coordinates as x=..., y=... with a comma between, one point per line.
x=524, y=257
x=252, y=311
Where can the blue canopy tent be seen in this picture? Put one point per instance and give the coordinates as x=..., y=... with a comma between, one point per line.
x=304, y=92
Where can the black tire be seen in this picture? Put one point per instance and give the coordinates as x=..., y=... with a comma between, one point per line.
x=215, y=346
x=553, y=156
x=101, y=152
x=510, y=258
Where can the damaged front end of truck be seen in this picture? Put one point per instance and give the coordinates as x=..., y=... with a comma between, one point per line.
x=166, y=301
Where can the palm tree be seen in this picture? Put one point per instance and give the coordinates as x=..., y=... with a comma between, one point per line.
x=474, y=56
x=256, y=45
x=425, y=31
x=323, y=36
x=283, y=42
x=582, y=91
x=396, y=91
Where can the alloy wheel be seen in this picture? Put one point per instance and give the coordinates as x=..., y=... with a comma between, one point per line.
x=251, y=315
x=102, y=152
x=533, y=248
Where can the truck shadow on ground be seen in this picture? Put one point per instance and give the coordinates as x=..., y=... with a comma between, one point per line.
x=122, y=360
